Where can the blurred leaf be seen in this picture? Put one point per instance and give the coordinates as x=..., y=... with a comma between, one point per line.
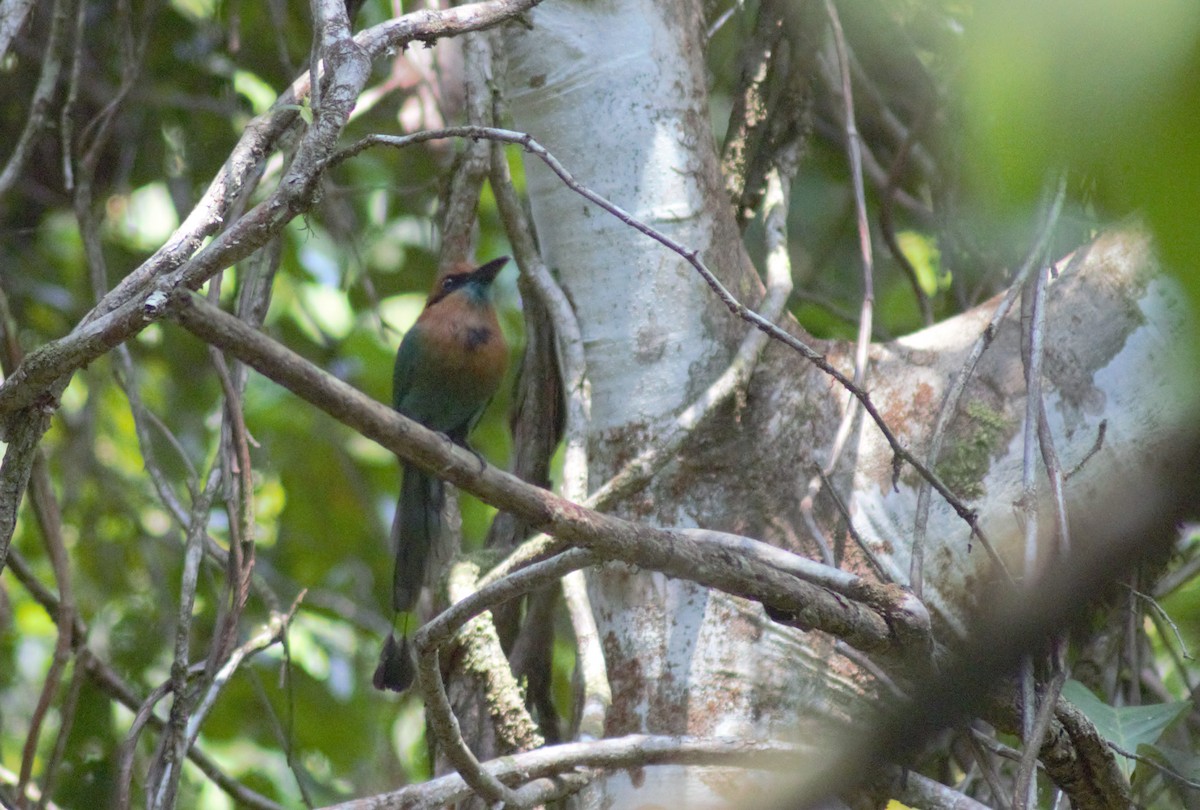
x=922, y=253
x=1109, y=89
x=143, y=219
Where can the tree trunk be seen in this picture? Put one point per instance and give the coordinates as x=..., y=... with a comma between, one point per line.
x=616, y=91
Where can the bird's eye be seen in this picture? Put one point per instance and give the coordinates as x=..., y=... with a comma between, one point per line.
x=449, y=282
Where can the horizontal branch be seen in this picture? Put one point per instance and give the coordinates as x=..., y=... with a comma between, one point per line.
x=713, y=564
x=635, y=750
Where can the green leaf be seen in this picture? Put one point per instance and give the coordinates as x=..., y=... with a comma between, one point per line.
x=1127, y=727
x=922, y=253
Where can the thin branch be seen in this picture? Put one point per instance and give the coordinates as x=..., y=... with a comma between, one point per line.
x=733, y=381
x=164, y=777
x=865, y=318
x=1165, y=617
x=1158, y=766
x=874, y=562
x=1033, y=342
x=67, y=713
x=671, y=552
x=238, y=484
x=901, y=455
x=1033, y=355
x=1026, y=787
x=985, y=749
x=272, y=631
x=181, y=262
x=900, y=132
x=572, y=363
x=43, y=94
x=66, y=117
x=1095, y=448
x=949, y=406
x=111, y=684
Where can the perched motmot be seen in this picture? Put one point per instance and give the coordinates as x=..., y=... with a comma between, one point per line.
x=447, y=368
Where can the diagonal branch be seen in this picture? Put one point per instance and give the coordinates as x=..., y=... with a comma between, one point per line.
x=675, y=553
x=180, y=262
x=901, y=455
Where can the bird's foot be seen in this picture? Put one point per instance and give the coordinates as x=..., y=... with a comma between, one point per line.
x=464, y=444
x=478, y=457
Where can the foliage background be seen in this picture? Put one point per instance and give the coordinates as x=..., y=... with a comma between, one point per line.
x=1110, y=89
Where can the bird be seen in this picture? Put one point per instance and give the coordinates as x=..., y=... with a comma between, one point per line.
x=448, y=367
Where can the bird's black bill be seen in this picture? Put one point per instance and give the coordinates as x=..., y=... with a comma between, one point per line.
x=488, y=272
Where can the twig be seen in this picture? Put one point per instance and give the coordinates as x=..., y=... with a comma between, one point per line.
x=165, y=775
x=272, y=631
x=128, y=749
x=1099, y=443
x=1034, y=720
x=50, y=520
x=718, y=23
x=67, y=713
x=900, y=132
x=597, y=694
x=984, y=759
x=901, y=455
x=1032, y=356
x=876, y=565
x=43, y=94
x=238, y=485
x=1026, y=786
x=640, y=469
x=872, y=168
x=1166, y=617
x=1158, y=766
x=1054, y=474
x=950, y=403
x=865, y=317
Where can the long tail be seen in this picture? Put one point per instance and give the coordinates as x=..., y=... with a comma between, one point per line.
x=415, y=529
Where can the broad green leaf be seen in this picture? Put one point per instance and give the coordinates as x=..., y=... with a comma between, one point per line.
x=1125, y=726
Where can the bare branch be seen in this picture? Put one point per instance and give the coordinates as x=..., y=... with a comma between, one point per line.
x=671, y=552
x=619, y=752
x=950, y=403
x=12, y=19
x=901, y=454
x=179, y=263
x=39, y=106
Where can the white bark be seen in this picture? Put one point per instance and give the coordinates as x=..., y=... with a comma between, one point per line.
x=617, y=71
x=1116, y=352
x=614, y=89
